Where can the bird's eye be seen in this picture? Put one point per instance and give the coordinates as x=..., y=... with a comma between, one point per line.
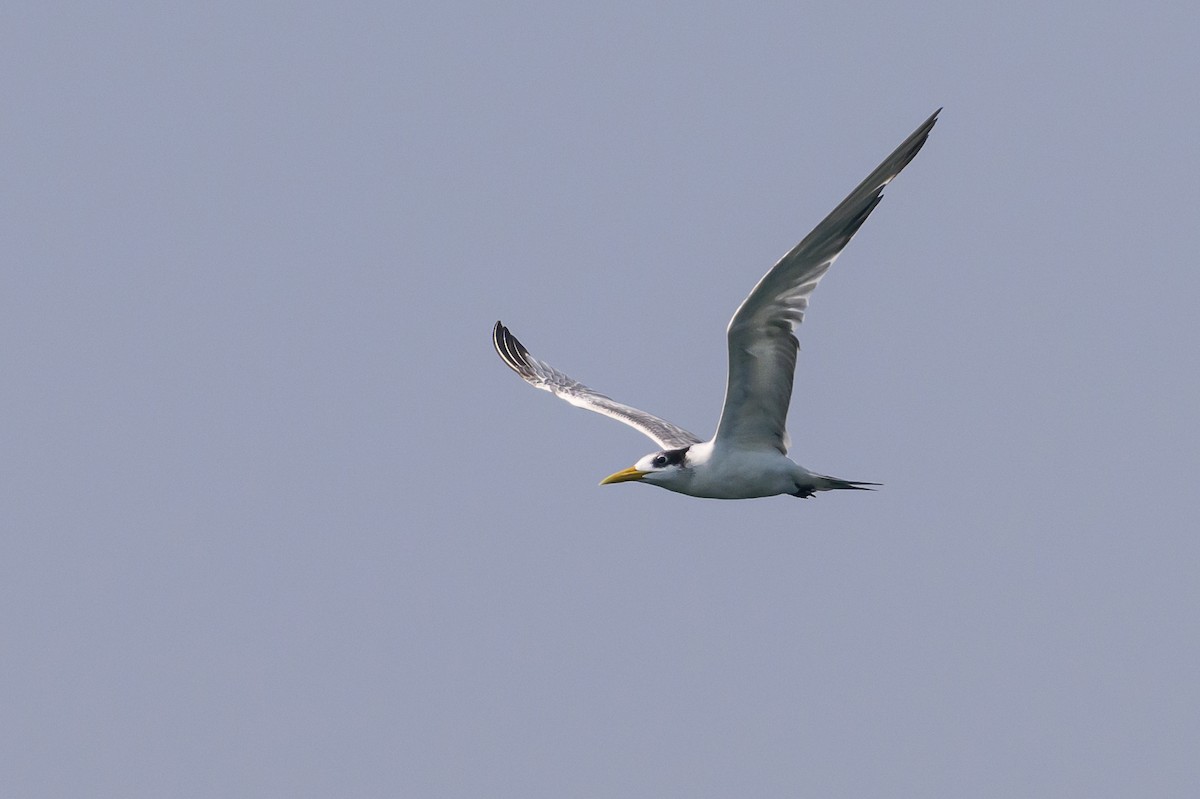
x=659, y=461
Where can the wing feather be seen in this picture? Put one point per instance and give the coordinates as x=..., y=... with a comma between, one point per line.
x=540, y=374
x=762, y=341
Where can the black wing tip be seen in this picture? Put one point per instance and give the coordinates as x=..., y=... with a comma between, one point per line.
x=510, y=350
x=927, y=125
x=914, y=143
x=499, y=333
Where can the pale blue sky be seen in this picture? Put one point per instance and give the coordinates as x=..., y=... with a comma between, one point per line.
x=279, y=523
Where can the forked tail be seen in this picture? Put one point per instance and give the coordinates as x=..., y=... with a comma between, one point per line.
x=823, y=482
x=827, y=483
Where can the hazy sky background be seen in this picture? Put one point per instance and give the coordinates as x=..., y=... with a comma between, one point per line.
x=278, y=523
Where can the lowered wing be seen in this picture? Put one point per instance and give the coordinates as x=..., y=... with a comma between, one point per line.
x=544, y=376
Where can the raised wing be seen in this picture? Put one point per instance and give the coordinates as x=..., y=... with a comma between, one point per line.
x=544, y=376
x=762, y=341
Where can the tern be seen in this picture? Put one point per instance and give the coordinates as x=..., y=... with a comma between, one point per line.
x=747, y=457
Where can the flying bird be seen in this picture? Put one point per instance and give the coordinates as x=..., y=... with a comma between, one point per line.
x=747, y=457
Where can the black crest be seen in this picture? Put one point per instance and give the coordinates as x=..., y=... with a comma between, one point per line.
x=670, y=457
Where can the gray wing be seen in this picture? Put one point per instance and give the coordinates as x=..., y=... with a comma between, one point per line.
x=762, y=341
x=544, y=376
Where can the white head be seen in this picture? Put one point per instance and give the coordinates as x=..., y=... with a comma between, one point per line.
x=668, y=468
